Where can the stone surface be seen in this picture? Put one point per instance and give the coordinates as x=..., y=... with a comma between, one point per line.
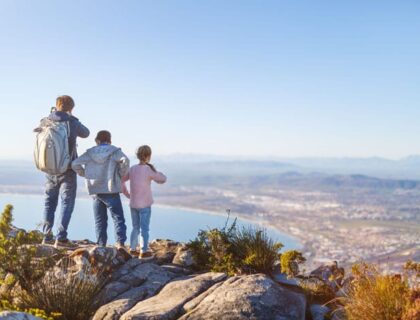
x=250, y=297
x=164, y=250
x=183, y=257
x=176, y=269
x=330, y=273
x=318, y=311
x=197, y=300
x=14, y=315
x=339, y=315
x=133, y=282
x=99, y=258
x=169, y=302
x=283, y=279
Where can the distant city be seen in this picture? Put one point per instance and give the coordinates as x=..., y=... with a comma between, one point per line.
x=338, y=209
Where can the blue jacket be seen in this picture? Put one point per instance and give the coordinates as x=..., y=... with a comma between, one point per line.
x=77, y=129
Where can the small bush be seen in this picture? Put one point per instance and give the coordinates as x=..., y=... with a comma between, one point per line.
x=290, y=261
x=248, y=250
x=17, y=253
x=68, y=290
x=373, y=295
x=256, y=251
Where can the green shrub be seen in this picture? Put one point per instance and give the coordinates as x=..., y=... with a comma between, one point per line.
x=256, y=251
x=17, y=253
x=248, y=250
x=290, y=261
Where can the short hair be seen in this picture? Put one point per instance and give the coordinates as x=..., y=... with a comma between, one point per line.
x=103, y=136
x=64, y=103
x=143, y=153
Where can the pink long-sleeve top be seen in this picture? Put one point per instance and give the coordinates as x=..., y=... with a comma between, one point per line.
x=141, y=177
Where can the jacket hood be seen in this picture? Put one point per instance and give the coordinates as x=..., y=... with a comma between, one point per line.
x=101, y=153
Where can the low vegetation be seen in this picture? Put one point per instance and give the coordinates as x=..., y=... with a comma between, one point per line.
x=68, y=290
x=235, y=251
x=373, y=295
x=290, y=261
x=40, y=285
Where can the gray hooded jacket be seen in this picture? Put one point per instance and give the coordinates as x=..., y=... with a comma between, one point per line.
x=103, y=167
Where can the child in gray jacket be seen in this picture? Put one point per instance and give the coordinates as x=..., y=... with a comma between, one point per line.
x=103, y=166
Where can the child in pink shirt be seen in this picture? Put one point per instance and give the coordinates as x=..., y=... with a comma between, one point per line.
x=141, y=200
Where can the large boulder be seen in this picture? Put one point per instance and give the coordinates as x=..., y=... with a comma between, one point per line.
x=168, y=303
x=249, y=297
x=15, y=315
x=133, y=282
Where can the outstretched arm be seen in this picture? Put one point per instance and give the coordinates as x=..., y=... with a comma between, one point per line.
x=158, y=177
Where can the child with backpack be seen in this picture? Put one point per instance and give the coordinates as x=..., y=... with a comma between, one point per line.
x=103, y=166
x=141, y=200
x=55, y=149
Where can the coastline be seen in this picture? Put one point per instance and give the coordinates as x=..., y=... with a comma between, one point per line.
x=263, y=223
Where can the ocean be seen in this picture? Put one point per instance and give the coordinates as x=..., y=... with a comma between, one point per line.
x=166, y=222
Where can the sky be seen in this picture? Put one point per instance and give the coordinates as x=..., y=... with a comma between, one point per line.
x=238, y=78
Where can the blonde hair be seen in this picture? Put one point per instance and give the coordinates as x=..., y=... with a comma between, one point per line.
x=64, y=103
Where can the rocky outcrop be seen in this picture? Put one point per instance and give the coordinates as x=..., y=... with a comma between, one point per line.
x=99, y=258
x=167, y=305
x=249, y=297
x=164, y=250
x=183, y=257
x=133, y=282
x=14, y=315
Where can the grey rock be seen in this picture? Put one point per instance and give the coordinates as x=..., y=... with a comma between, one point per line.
x=14, y=315
x=339, y=314
x=250, y=297
x=196, y=301
x=183, y=257
x=99, y=258
x=283, y=279
x=176, y=269
x=330, y=273
x=318, y=311
x=151, y=278
x=45, y=250
x=169, y=302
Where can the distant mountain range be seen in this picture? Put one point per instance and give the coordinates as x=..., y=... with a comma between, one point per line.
x=406, y=168
x=191, y=169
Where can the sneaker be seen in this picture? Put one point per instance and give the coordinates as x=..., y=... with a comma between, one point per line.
x=135, y=253
x=65, y=244
x=146, y=255
x=48, y=241
x=120, y=245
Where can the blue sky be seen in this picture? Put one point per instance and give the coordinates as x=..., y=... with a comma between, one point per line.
x=250, y=78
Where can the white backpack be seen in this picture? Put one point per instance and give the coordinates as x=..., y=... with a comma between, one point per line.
x=52, y=154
